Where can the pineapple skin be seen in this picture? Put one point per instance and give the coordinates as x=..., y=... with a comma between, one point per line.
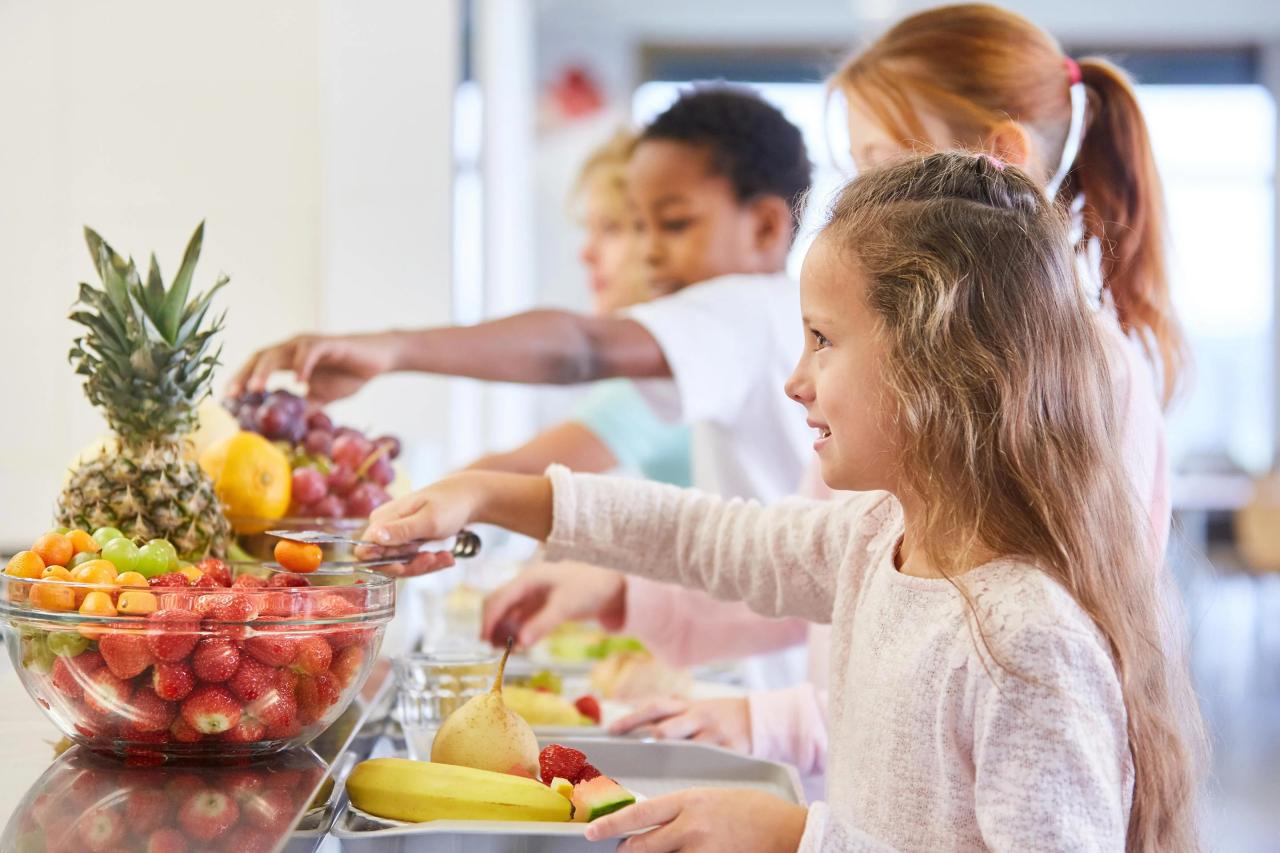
x=151, y=491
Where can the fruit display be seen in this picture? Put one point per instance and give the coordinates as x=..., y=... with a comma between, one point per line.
x=334, y=472
x=132, y=653
x=487, y=735
x=568, y=788
x=84, y=803
x=147, y=354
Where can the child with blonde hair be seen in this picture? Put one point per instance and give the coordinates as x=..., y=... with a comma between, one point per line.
x=1001, y=677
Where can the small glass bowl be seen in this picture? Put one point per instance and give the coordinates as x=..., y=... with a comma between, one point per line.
x=243, y=671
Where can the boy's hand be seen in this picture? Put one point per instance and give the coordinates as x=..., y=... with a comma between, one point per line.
x=332, y=366
x=531, y=605
x=701, y=820
x=723, y=722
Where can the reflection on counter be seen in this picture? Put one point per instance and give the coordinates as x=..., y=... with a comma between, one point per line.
x=85, y=802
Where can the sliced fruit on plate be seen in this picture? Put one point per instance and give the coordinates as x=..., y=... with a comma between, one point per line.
x=540, y=708
x=598, y=797
x=402, y=789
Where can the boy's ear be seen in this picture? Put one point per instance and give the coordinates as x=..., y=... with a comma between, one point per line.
x=773, y=225
x=1010, y=142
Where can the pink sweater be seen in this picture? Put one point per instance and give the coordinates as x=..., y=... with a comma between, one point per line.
x=688, y=628
x=933, y=745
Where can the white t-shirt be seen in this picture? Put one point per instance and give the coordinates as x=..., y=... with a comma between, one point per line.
x=731, y=343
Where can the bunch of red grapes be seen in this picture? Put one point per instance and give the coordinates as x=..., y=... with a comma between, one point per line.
x=337, y=471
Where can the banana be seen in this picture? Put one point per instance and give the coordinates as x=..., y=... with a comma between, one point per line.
x=401, y=789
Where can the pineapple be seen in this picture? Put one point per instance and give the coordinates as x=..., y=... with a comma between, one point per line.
x=146, y=355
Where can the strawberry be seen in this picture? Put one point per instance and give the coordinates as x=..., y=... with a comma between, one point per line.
x=173, y=681
x=314, y=656
x=247, y=839
x=588, y=706
x=126, y=654
x=243, y=784
x=586, y=774
x=563, y=761
x=145, y=809
x=248, y=730
x=215, y=659
x=287, y=579
x=252, y=679
x=269, y=810
x=66, y=679
x=347, y=665
x=180, y=787
x=208, y=814
x=273, y=648
x=105, y=694
x=217, y=569
x=274, y=707
x=207, y=582
x=183, y=733
x=148, y=713
x=287, y=681
x=315, y=694
x=167, y=840
x=175, y=580
x=173, y=633
x=286, y=729
x=248, y=582
x=235, y=607
x=100, y=828
x=211, y=710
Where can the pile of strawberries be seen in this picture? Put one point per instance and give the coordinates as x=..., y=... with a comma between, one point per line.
x=192, y=675
x=87, y=805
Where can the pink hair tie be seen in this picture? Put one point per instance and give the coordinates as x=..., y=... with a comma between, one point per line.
x=1073, y=70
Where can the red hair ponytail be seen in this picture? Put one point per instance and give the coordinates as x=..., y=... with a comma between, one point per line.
x=978, y=66
x=1124, y=209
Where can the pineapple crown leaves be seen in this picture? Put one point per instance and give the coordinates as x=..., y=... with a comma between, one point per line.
x=147, y=352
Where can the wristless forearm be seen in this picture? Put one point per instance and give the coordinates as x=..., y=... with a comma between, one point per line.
x=521, y=503
x=544, y=347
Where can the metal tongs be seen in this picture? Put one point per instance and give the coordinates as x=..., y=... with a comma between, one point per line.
x=465, y=544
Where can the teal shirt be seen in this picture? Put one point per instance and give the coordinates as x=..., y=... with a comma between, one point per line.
x=638, y=439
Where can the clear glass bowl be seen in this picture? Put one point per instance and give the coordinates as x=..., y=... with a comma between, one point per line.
x=234, y=672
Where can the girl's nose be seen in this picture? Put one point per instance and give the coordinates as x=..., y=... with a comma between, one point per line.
x=799, y=385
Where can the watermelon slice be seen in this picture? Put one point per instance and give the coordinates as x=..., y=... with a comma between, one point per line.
x=598, y=797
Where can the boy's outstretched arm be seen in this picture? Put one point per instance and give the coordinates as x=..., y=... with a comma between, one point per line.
x=541, y=347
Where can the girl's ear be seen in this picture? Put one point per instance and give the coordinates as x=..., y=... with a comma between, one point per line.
x=1010, y=142
x=773, y=224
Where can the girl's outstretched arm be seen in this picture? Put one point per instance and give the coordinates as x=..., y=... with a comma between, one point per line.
x=782, y=561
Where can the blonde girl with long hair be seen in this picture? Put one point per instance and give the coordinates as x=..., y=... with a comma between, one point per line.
x=1000, y=675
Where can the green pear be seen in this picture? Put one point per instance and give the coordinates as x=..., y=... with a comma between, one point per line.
x=487, y=735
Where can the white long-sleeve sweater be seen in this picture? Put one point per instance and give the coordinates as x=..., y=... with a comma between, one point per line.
x=933, y=745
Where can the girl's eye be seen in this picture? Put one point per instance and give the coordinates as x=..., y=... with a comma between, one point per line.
x=819, y=340
x=676, y=225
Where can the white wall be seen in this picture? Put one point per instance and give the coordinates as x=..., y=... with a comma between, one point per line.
x=315, y=141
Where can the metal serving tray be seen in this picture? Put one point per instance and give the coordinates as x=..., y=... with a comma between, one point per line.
x=647, y=768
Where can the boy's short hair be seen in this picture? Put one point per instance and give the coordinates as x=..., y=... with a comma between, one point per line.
x=750, y=141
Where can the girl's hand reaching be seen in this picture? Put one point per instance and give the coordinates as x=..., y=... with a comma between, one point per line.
x=518, y=502
x=702, y=820
x=722, y=722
